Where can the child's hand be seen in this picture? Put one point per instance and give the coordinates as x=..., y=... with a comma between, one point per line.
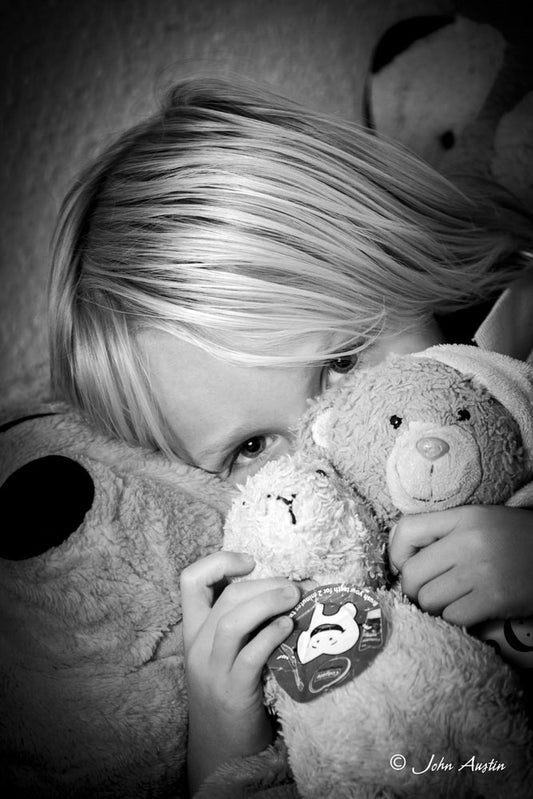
x=467, y=564
x=226, y=647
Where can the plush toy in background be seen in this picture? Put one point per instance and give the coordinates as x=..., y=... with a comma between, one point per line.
x=407, y=705
x=456, y=86
x=94, y=537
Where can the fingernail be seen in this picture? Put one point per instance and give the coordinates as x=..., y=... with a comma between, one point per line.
x=285, y=623
x=291, y=592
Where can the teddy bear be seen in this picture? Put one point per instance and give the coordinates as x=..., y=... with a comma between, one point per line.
x=468, y=66
x=407, y=705
x=95, y=534
x=436, y=462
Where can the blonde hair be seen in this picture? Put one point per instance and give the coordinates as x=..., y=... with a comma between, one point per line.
x=242, y=223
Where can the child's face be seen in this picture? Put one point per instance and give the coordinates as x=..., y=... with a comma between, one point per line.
x=225, y=418
x=230, y=419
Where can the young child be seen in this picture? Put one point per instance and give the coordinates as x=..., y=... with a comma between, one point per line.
x=225, y=262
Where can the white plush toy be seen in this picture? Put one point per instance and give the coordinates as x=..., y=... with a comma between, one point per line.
x=405, y=705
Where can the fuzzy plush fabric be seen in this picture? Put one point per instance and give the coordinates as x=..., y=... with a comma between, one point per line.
x=437, y=712
x=300, y=520
x=95, y=535
x=433, y=691
x=395, y=408
x=508, y=380
x=469, y=67
x=264, y=776
x=464, y=437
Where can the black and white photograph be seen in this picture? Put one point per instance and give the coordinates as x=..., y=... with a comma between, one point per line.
x=266, y=399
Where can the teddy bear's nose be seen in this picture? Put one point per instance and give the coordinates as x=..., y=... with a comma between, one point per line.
x=432, y=448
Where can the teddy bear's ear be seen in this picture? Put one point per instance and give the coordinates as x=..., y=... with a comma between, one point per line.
x=42, y=503
x=320, y=429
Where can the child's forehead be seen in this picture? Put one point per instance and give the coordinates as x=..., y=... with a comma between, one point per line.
x=228, y=353
x=211, y=405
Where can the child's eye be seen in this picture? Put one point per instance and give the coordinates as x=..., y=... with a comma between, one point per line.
x=252, y=448
x=253, y=453
x=335, y=369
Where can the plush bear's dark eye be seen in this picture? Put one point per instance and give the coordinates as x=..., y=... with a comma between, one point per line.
x=395, y=421
x=47, y=500
x=463, y=415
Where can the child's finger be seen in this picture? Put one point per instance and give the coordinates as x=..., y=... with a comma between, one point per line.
x=412, y=533
x=440, y=593
x=198, y=582
x=234, y=628
x=252, y=657
x=466, y=611
x=426, y=566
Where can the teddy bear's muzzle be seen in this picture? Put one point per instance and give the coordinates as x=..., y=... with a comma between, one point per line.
x=437, y=464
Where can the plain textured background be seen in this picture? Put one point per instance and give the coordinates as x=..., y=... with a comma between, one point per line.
x=77, y=72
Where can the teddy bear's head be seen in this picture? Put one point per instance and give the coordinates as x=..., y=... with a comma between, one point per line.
x=298, y=519
x=426, y=432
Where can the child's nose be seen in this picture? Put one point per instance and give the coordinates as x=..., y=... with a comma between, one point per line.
x=432, y=448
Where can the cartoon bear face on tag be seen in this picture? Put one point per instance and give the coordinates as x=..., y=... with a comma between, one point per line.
x=328, y=634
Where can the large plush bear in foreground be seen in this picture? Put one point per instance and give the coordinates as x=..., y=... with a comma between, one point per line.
x=375, y=697
x=94, y=536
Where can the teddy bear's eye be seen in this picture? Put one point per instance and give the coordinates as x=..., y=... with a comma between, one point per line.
x=463, y=415
x=395, y=421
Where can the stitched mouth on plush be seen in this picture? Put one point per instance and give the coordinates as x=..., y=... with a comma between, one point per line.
x=433, y=463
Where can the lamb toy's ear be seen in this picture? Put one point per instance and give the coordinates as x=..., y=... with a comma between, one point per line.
x=320, y=429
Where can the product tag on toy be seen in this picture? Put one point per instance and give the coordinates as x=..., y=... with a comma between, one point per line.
x=338, y=631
